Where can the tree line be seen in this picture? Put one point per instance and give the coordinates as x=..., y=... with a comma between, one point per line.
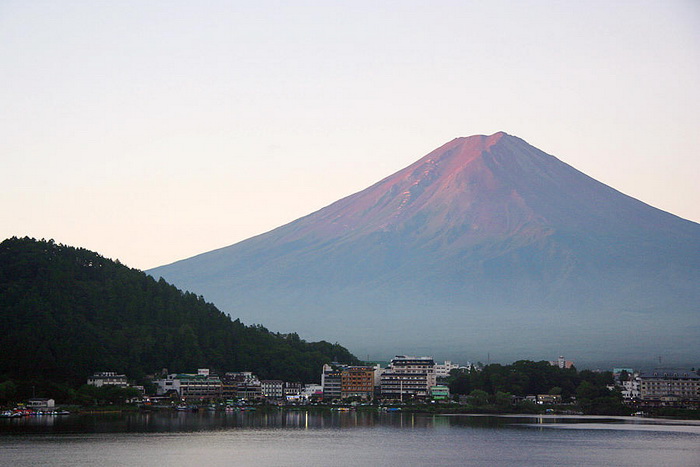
x=495, y=384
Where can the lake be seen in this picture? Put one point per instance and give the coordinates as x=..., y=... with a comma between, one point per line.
x=346, y=439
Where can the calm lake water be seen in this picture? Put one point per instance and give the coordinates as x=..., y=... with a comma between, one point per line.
x=346, y=439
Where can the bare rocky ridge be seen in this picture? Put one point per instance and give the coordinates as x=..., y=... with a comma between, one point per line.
x=486, y=244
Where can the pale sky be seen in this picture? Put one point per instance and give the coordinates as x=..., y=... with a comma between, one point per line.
x=153, y=131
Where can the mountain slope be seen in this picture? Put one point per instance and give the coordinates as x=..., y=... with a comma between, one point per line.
x=68, y=312
x=485, y=244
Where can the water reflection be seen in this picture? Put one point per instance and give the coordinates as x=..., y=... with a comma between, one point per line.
x=168, y=421
x=173, y=422
x=343, y=439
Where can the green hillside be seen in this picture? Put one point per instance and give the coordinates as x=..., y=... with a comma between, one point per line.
x=67, y=312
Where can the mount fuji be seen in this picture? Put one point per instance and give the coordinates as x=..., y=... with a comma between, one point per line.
x=486, y=245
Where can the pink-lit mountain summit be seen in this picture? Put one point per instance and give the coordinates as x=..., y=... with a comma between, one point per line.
x=486, y=244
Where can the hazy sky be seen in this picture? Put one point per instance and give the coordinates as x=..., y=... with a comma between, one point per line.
x=153, y=131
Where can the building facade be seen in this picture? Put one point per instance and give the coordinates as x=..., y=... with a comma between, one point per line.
x=357, y=381
x=41, y=403
x=442, y=371
x=272, y=389
x=408, y=377
x=241, y=385
x=312, y=392
x=292, y=391
x=669, y=387
x=440, y=392
x=108, y=378
x=561, y=362
x=331, y=381
x=200, y=386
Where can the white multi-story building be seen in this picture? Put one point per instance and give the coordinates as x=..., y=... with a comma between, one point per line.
x=272, y=388
x=443, y=370
x=190, y=386
x=629, y=388
x=561, y=362
x=408, y=377
x=312, y=390
x=108, y=378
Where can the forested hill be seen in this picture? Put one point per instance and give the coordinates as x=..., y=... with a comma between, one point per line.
x=67, y=312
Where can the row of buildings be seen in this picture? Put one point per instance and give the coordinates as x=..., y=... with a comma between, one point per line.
x=405, y=377
x=659, y=387
x=232, y=385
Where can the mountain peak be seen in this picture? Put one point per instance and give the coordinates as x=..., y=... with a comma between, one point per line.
x=488, y=139
x=484, y=241
x=473, y=143
x=457, y=154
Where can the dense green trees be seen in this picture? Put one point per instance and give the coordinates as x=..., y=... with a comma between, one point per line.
x=93, y=395
x=494, y=383
x=8, y=391
x=67, y=312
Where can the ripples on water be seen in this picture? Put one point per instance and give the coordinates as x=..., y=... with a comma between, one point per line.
x=345, y=439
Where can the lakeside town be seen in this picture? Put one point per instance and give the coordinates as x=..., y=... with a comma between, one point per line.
x=404, y=381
